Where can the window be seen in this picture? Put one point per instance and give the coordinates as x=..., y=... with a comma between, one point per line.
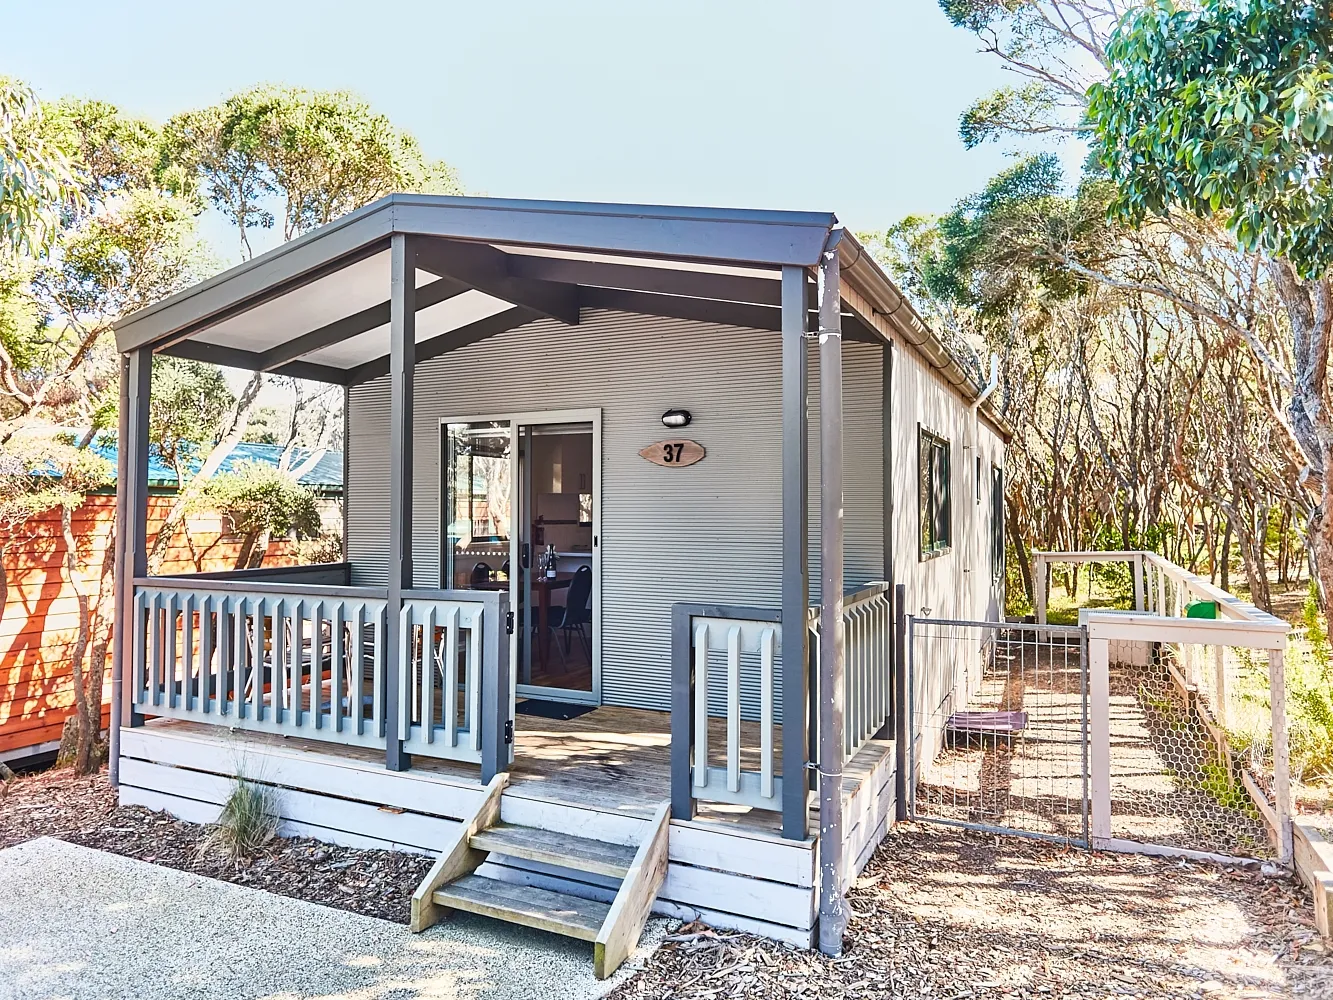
x=936, y=499
x=997, y=523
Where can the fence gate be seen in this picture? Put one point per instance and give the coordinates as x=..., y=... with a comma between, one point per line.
x=999, y=727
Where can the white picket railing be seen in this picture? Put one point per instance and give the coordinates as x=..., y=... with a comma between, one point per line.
x=867, y=671
x=281, y=658
x=867, y=707
x=440, y=716
x=733, y=784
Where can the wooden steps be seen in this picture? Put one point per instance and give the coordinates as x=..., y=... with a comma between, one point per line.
x=614, y=927
x=556, y=912
x=579, y=853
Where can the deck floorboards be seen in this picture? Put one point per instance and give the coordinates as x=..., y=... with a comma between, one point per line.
x=613, y=759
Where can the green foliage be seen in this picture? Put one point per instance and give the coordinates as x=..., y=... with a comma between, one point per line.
x=248, y=821
x=39, y=474
x=141, y=247
x=1218, y=781
x=37, y=180
x=323, y=153
x=114, y=151
x=1006, y=111
x=261, y=498
x=1225, y=106
x=186, y=407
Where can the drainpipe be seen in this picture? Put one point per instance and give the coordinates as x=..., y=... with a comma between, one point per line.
x=974, y=432
x=832, y=907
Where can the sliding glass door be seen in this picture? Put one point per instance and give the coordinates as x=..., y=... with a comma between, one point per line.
x=521, y=506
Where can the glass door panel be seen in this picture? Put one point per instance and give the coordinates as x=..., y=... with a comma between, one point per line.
x=478, y=506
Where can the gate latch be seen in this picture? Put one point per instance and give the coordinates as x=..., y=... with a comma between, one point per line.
x=509, y=623
x=509, y=730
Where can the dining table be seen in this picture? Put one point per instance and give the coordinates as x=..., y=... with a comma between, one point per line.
x=540, y=587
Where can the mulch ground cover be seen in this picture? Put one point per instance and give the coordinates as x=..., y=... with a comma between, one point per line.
x=936, y=914
x=83, y=811
x=939, y=914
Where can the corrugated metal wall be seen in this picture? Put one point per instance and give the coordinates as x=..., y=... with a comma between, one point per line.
x=709, y=533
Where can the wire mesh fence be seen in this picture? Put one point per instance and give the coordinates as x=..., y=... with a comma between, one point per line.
x=1191, y=748
x=999, y=726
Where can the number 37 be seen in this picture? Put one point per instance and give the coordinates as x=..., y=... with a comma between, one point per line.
x=671, y=451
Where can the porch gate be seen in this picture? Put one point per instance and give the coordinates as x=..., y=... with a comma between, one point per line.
x=999, y=727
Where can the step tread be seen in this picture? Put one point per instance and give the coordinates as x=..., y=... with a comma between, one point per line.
x=525, y=904
x=561, y=849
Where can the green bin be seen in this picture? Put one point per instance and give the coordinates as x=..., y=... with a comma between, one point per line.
x=1201, y=609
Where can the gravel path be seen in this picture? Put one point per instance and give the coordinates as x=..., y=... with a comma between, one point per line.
x=81, y=924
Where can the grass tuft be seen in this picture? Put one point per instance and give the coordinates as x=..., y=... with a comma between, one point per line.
x=249, y=820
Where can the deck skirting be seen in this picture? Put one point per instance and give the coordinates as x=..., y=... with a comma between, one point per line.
x=725, y=874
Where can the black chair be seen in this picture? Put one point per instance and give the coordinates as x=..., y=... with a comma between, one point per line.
x=575, y=614
x=481, y=574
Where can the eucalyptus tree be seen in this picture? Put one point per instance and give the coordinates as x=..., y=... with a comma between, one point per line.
x=1226, y=109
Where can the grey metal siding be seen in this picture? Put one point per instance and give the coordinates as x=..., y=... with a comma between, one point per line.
x=707, y=533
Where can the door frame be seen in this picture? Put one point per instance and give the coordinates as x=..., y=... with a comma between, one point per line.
x=517, y=419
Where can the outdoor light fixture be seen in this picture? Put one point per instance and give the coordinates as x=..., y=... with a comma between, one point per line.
x=676, y=418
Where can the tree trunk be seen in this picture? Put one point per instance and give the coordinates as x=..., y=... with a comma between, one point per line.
x=89, y=716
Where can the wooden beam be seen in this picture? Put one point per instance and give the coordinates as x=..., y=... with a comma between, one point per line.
x=644, y=278
x=795, y=556
x=234, y=357
x=451, y=341
x=357, y=323
x=402, y=363
x=486, y=269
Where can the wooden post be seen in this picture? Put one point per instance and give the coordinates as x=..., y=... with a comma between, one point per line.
x=1161, y=591
x=682, y=714
x=1277, y=687
x=497, y=735
x=1138, y=582
x=795, y=560
x=832, y=908
x=1039, y=570
x=1220, y=685
x=402, y=361
x=1099, y=737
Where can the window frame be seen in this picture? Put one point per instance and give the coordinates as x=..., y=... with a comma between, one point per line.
x=931, y=443
x=998, y=514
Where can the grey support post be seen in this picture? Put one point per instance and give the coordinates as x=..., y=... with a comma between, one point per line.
x=132, y=519
x=402, y=361
x=795, y=557
x=832, y=908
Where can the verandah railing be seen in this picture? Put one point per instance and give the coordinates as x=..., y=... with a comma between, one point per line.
x=723, y=680
x=310, y=661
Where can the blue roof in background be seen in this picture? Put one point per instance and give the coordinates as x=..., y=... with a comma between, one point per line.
x=326, y=475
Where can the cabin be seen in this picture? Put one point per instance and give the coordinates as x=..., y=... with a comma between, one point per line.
x=629, y=492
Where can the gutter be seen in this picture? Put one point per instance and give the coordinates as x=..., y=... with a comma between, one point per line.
x=864, y=272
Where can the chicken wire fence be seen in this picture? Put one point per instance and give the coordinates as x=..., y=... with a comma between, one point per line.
x=999, y=737
x=1191, y=748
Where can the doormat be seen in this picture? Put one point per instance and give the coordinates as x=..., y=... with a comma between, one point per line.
x=562, y=710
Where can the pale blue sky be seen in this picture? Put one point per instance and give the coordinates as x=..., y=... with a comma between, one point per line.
x=846, y=106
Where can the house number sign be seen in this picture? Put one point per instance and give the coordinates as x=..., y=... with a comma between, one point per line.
x=673, y=453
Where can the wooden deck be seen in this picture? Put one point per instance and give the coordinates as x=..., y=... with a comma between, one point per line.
x=611, y=759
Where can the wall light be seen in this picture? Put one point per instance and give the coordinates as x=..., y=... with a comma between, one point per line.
x=676, y=418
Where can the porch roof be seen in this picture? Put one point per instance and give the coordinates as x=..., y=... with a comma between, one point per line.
x=318, y=306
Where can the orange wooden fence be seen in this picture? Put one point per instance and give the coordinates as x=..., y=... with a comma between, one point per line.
x=41, y=616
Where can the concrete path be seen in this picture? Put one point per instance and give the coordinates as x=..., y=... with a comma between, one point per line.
x=80, y=924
